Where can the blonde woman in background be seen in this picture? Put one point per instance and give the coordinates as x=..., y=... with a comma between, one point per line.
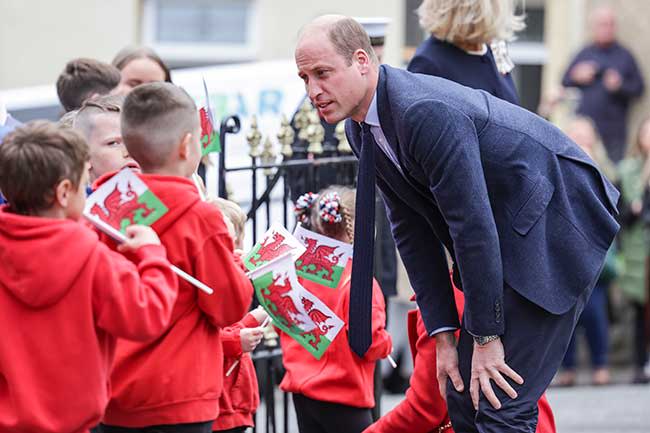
x=593, y=320
x=634, y=177
x=467, y=44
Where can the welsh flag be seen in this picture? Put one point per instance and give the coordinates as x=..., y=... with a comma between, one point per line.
x=275, y=242
x=209, y=137
x=124, y=200
x=294, y=309
x=324, y=259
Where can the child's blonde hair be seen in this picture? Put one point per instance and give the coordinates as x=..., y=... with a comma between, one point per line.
x=234, y=216
x=330, y=212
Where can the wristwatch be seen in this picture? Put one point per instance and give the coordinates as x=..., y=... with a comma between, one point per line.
x=482, y=340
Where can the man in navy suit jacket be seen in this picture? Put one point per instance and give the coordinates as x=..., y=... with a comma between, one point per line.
x=523, y=213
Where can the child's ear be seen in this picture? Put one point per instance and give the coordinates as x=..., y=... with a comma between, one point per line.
x=184, y=148
x=62, y=193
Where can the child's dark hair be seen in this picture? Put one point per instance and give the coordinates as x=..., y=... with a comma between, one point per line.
x=155, y=118
x=34, y=158
x=330, y=212
x=81, y=78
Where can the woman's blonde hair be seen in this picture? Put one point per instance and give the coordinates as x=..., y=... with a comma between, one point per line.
x=598, y=152
x=470, y=21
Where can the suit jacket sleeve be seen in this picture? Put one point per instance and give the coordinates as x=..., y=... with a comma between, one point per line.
x=424, y=259
x=445, y=143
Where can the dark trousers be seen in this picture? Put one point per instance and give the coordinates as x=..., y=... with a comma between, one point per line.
x=232, y=430
x=198, y=427
x=316, y=416
x=535, y=342
x=595, y=324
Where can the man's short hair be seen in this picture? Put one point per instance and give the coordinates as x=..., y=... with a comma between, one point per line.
x=106, y=104
x=81, y=78
x=347, y=36
x=155, y=118
x=34, y=158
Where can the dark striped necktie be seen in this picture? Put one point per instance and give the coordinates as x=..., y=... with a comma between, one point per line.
x=360, y=315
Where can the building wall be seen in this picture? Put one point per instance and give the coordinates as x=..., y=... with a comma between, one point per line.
x=567, y=31
x=37, y=37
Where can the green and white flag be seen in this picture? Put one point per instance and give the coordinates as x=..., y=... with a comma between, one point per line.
x=324, y=258
x=294, y=309
x=275, y=242
x=123, y=200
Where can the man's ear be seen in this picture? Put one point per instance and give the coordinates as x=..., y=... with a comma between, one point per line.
x=62, y=193
x=362, y=59
x=184, y=148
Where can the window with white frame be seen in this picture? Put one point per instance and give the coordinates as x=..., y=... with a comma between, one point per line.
x=200, y=31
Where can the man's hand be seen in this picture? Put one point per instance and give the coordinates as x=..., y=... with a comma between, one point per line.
x=447, y=362
x=488, y=363
x=584, y=72
x=138, y=236
x=612, y=80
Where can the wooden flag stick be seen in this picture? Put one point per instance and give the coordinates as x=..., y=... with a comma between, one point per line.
x=118, y=236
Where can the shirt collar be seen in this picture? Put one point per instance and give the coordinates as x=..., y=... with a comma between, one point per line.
x=372, y=116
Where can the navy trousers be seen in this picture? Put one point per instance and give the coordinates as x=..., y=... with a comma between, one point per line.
x=596, y=327
x=535, y=342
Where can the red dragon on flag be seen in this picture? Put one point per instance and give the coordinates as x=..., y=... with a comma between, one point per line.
x=120, y=206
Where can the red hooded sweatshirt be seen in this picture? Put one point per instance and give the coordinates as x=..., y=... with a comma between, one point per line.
x=240, y=397
x=340, y=376
x=64, y=298
x=177, y=378
x=423, y=410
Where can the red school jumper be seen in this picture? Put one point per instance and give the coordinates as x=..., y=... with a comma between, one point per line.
x=423, y=410
x=340, y=376
x=177, y=378
x=240, y=397
x=64, y=299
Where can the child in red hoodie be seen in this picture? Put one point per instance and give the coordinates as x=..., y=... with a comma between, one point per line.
x=173, y=383
x=240, y=397
x=424, y=410
x=334, y=394
x=64, y=296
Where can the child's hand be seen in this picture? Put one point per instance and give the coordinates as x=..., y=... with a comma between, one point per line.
x=260, y=314
x=138, y=236
x=250, y=338
x=238, y=252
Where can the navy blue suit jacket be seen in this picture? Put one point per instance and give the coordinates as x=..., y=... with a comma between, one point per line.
x=510, y=196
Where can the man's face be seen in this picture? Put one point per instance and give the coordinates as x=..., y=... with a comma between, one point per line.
x=336, y=88
x=107, y=150
x=604, y=26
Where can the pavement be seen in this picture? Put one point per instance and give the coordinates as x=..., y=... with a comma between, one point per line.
x=616, y=408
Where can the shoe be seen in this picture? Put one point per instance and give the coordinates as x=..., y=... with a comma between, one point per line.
x=565, y=379
x=640, y=378
x=600, y=377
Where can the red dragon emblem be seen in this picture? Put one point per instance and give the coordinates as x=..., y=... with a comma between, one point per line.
x=316, y=315
x=206, y=128
x=317, y=259
x=316, y=335
x=270, y=250
x=120, y=206
x=285, y=307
